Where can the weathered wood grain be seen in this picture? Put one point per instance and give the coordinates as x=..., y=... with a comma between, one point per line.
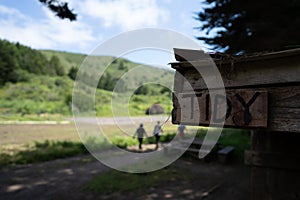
x=245, y=108
x=277, y=109
x=281, y=70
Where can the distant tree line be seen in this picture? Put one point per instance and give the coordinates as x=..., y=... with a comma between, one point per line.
x=152, y=89
x=17, y=62
x=107, y=81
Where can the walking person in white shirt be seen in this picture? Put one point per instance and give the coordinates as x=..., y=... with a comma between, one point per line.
x=156, y=132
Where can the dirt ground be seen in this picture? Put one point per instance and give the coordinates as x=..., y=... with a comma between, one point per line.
x=64, y=178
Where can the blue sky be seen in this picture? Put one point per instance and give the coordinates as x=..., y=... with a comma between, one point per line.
x=31, y=24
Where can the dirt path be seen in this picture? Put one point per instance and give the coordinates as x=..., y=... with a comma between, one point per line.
x=64, y=178
x=55, y=179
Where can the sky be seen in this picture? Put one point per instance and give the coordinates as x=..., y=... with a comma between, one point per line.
x=32, y=24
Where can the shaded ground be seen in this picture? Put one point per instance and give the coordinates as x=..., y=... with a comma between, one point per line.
x=64, y=179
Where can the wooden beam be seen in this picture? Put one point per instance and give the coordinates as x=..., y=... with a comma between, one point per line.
x=282, y=70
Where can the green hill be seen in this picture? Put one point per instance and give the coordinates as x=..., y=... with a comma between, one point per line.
x=40, y=82
x=68, y=60
x=115, y=69
x=18, y=62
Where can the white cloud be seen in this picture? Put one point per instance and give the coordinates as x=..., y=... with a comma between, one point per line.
x=125, y=14
x=50, y=32
x=44, y=33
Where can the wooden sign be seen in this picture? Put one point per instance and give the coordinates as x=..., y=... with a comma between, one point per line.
x=239, y=108
x=262, y=91
x=274, y=75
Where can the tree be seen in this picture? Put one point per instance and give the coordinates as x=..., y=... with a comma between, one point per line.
x=8, y=65
x=73, y=73
x=250, y=26
x=143, y=90
x=56, y=66
x=18, y=62
x=61, y=9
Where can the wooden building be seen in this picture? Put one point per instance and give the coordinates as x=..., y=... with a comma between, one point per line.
x=262, y=94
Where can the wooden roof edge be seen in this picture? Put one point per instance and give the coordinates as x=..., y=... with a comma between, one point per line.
x=231, y=59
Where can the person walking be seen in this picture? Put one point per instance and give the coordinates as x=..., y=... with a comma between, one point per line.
x=140, y=132
x=156, y=132
x=181, y=131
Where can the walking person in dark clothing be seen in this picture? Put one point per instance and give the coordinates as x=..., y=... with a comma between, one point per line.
x=140, y=132
x=156, y=132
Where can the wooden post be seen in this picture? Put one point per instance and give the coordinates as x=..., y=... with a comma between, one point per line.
x=275, y=161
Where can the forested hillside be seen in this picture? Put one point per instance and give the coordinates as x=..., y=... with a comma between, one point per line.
x=17, y=62
x=38, y=83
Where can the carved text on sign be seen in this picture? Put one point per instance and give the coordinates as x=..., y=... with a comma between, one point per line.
x=243, y=108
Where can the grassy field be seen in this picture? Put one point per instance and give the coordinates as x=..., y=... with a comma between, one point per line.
x=24, y=143
x=19, y=144
x=22, y=134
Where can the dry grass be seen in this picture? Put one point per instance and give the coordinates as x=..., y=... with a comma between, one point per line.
x=27, y=143
x=20, y=134
x=14, y=136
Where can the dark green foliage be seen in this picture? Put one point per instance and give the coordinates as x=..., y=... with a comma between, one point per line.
x=107, y=82
x=7, y=63
x=56, y=66
x=17, y=62
x=251, y=26
x=151, y=89
x=163, y=138
x=61, y=9
x=239, y=139
x=144, y=89
x=166, y=90
x=72, y=73
x=32, y=61
x=112, y=75
x=123, y=66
